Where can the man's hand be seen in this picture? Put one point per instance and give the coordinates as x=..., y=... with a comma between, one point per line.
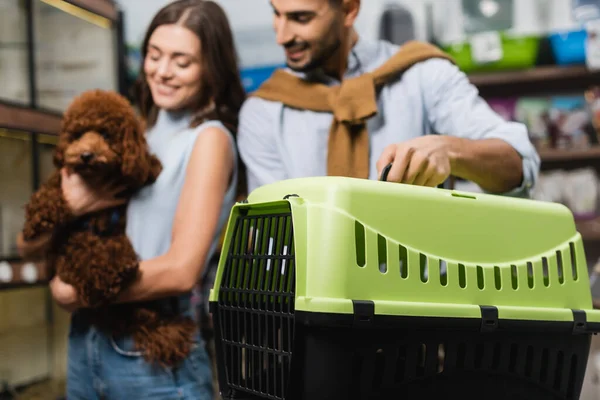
x=64, y=295
x=422, y=161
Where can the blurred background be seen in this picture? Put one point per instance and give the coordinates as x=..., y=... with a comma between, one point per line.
x=534, y=61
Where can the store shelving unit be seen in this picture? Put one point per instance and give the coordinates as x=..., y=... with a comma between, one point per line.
x=22, y=274
x=570, y=159
x=50, y=51
x=539, y=80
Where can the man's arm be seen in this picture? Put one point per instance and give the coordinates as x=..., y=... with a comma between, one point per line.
x=483, y=147
x=257, y=142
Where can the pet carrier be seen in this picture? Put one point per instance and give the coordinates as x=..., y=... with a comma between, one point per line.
x=342, y=288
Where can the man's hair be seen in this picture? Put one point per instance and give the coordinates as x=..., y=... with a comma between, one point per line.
x=336, y=3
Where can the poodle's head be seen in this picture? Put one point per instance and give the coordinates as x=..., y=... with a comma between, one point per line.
x=102, y=138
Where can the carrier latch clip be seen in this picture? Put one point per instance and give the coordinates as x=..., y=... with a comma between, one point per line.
x=489, y=318
x=579, y=322
x=364, y=312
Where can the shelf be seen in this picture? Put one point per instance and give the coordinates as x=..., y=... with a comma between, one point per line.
x=554, y=155
x=105, y=8
x=17, y=274
x=19, y=117
x=540, y=80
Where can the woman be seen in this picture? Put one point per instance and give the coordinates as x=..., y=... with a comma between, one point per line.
x=189, y=94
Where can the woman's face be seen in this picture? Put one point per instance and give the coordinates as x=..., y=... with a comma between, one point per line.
x=172, y=66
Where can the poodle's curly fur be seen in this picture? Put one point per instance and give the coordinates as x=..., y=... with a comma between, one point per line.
x=103, y=140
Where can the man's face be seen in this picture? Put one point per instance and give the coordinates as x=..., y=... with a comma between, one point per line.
x=310, y=31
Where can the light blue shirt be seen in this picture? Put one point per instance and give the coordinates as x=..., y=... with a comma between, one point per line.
x=277, y=142
x=151, y=212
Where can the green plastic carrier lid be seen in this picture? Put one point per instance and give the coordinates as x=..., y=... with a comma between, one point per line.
x=419, y=251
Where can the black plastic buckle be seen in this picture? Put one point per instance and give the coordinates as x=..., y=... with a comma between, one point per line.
x=364, y=312
x=579, y=322
x=489, y=318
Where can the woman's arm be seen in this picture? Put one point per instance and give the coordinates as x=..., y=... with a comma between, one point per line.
x=207, y=178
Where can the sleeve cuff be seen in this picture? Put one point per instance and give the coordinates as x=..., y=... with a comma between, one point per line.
x=519, y=140
x=527, y=185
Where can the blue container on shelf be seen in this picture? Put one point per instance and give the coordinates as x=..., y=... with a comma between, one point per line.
x=253, y=77
x=569, y=47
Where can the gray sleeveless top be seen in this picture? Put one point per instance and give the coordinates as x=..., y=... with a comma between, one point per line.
x=151, y=212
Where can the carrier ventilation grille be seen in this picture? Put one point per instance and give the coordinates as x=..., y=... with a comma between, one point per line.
x=256, y=299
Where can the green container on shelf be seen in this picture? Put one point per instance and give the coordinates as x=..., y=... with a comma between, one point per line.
x=345, y=288
x=518, y=52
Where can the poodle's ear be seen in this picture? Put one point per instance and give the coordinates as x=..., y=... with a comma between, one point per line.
x=139, y=166
x=155, y=168
x=59, y=151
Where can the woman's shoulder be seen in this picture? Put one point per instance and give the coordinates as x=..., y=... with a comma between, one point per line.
x=212, y=125
x=214, y=132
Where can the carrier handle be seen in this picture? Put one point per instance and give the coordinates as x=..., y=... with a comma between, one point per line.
x=385, y=172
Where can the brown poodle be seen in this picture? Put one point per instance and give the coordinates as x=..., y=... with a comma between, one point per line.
x=103, y=141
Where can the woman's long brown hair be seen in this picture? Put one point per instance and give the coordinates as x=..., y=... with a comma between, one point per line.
x=222, y=93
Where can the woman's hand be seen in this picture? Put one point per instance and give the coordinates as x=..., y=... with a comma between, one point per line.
x=84, y=200
x=64, y=295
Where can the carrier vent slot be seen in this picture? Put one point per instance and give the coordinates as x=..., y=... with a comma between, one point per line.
x=559, y=367
x=559, y=265
x=546, y=271
x=403, y=259
x=382, y=253
x=544, y=364
x=530, y=276
x=360, y=244
x=480, y=278
x=529, y=362
x=496, y=356
x=423, y=268
x=514, y=275
x=443, y=272
x=512, y=363
x=441, y=353
x=498, y=278
x=462, y=276
x=573, y=261
x=379, y=369
x=573, y=372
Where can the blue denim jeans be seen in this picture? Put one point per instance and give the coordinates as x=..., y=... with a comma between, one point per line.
x=101, y=367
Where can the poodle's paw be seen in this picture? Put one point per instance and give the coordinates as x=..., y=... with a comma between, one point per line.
x=99, y=268
x=45, y=212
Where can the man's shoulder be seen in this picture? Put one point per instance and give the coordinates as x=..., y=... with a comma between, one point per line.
x=373, y=53
x=256, y=109
x=427, y=71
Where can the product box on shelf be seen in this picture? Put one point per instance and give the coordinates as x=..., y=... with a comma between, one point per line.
x=489, y=35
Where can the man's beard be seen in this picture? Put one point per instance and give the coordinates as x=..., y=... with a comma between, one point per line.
x=319, y=59
x=323, y=52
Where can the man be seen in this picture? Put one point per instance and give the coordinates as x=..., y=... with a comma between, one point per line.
x=429, y=122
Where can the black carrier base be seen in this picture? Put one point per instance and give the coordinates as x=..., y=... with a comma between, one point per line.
x=344, y=357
